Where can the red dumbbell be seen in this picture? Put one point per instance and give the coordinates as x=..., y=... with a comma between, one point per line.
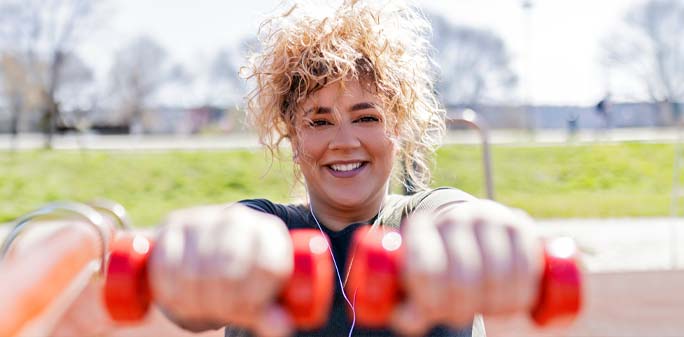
x=307, y=295
x=374, y=279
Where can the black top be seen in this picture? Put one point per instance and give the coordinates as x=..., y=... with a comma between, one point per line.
x=394, y=210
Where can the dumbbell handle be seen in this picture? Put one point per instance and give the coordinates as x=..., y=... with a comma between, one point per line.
x=307, y=295
x=374, y=279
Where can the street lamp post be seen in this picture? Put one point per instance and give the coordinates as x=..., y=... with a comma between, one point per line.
x=527, y=6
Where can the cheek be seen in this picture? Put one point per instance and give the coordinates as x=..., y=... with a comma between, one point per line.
x=392, y=140
x=386, y=149
x=310, y=148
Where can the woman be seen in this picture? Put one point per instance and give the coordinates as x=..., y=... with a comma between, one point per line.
x=353, y=94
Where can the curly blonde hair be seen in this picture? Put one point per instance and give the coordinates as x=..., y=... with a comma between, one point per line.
x=382, y=42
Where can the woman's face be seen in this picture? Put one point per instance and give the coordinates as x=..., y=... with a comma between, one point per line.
x=342, y=147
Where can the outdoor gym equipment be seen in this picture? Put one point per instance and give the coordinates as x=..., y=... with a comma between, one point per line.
x=39, y=283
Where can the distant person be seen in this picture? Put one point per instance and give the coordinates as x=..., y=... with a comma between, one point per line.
x=677, y=113
x=602, y=110
x=573, y=124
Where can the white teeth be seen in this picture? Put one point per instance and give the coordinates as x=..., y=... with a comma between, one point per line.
x=345, y=167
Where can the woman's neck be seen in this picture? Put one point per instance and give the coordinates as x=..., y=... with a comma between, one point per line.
x=337, y=219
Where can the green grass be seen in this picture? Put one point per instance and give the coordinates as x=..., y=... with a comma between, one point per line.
x=147, y=184
x=568, y=181
x=563, y=181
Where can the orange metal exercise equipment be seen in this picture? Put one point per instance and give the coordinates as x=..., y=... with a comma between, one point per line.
x=61, y=256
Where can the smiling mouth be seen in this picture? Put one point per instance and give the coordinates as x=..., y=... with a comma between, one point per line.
x=349, y=167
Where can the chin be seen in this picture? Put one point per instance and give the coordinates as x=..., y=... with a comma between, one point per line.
x=349, y=201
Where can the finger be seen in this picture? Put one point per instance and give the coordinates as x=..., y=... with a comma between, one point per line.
x=425, y=265
x=275, y=253
x=273, y=263
x=165, y=262
x=529, y=243
x=519, y=289
x=229, y=265
x=189, y=276
x=497, y=266
x=215, y=304
x=527, y=256
x=465, y=272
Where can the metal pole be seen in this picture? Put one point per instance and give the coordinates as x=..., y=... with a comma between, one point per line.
x=473, y=120
x=676, y=190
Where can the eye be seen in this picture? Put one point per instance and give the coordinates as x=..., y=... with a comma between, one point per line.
x=319, y=122
x=368, y=119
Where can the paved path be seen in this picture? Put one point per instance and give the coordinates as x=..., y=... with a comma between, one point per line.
x=629, y=291
x=624, y=244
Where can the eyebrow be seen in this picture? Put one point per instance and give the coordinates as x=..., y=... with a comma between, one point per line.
x=326, y=110
x=363, y=106
x=318, y=111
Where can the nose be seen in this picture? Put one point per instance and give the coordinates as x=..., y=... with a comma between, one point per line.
x=345, y=138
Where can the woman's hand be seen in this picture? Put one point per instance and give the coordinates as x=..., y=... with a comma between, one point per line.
x=216, y=265
x=474, y=257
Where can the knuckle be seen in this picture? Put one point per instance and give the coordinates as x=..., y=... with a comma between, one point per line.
x=464, y=285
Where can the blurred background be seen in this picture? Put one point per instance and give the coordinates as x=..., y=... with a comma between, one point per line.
x=578, y=104
x=141, y=102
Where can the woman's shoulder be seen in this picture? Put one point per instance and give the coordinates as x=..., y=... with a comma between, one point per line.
x=294, y=215
x=398, y=206
x=427, y=199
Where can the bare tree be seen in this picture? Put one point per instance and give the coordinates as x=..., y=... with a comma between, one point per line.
x=475, y=63
x=140, y=69
x=649, y=50
x=45, y=33
x=14, y=83
x=225, y=87
x=75, y=92
x=19, y=93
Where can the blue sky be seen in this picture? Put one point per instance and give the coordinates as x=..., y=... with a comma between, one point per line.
x=555, y=45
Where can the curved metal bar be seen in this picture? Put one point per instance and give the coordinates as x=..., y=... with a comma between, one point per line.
x=473, y=120
x=113, y=208
x=84, y=212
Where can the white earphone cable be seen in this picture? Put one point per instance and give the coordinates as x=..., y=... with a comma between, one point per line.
x=337, y=270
